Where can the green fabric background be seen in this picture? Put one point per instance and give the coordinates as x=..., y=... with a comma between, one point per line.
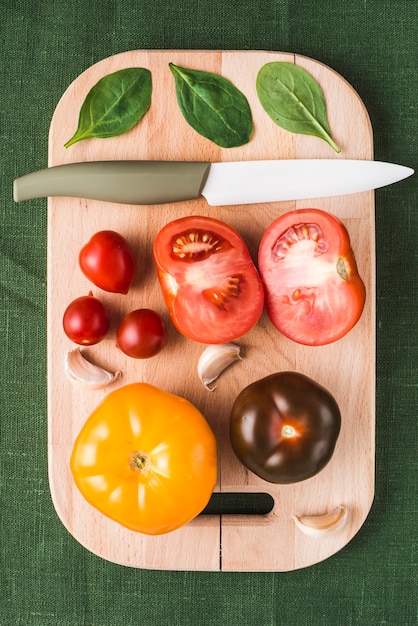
x=47, y=578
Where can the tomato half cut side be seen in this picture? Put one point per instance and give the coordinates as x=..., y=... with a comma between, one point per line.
x=314, y=294
x=210, y=284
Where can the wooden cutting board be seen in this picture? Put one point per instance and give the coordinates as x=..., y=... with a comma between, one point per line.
x=347, y=368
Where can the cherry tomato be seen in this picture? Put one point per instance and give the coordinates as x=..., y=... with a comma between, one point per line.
x=141, y=334
x=108, y=261
x=146, y=459
x=314, y=294
x=85, y=320
x=209, y=282
x=284, y=427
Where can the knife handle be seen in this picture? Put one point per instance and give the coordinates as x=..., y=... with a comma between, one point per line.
x=124, y=182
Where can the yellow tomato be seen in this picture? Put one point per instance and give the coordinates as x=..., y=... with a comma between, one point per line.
x=146, y=459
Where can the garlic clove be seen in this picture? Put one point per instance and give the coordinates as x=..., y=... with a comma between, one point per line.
x=91, y=376
x=322, y=525
x=214, y=360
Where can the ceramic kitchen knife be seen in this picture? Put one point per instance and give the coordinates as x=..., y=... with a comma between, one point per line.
x=226, y=183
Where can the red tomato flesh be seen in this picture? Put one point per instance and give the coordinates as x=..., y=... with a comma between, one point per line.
x=314, y=294
x=209, y=281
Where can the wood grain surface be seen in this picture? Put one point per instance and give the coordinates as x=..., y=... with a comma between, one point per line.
x=346, y=368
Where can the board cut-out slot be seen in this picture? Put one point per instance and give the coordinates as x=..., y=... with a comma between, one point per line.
x=230, y=503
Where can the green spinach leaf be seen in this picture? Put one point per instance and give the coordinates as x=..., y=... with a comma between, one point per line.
x=294, y=100
x=114, y=104
x=213, y=106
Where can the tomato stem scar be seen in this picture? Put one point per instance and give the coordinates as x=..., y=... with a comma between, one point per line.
x=342, y=269
x=139, y=461
x=288, y=432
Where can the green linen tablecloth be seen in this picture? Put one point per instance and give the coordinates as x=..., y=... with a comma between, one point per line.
x=47, y=578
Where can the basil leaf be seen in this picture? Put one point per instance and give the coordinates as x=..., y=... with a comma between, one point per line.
x=114, y=104
x=213, y=106
x=294, y=100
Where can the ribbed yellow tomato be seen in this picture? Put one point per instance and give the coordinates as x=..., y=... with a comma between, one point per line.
x=146, y=459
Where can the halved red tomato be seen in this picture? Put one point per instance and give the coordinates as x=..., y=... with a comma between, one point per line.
x=209, y=281
x=314, y=294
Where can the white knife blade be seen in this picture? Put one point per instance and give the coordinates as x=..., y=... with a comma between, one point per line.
x=226, y=183
x=271, y=181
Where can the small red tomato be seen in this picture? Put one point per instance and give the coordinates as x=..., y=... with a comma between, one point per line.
x=85, y=320
x=141, y=334
x=108, y=261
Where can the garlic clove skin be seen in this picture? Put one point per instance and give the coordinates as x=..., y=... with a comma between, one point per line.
x=322, y=525
x=91, y=376
x=214, y=360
